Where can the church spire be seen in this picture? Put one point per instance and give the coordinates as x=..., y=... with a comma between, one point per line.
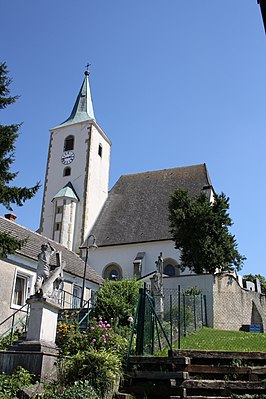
x=83, y=108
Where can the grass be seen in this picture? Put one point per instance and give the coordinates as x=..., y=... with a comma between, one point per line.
x=236, y=341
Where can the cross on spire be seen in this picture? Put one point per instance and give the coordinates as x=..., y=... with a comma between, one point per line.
x=87, y=66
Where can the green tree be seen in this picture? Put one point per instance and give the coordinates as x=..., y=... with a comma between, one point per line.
x=200, y=229
x=252, y=277
x=9, y=194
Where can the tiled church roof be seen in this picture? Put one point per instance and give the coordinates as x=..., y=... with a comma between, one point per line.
x=74, y=264
x=137, y=207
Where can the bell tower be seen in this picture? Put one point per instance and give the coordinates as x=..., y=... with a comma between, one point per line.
x=77, y=174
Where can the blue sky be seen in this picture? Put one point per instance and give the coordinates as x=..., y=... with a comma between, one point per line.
x=174, y=83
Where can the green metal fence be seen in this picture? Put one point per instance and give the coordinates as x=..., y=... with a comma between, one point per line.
x=161, y=321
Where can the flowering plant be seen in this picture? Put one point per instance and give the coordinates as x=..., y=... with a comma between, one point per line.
x=99, y=334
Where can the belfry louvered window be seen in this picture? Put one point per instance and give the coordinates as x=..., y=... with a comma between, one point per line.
x=69, y=143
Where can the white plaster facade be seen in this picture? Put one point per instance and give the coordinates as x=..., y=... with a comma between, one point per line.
x=124, y=256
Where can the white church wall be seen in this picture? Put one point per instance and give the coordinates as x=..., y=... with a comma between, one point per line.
x=98, y=178
x=124, y=255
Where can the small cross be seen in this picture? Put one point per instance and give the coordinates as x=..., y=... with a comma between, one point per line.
x=87, y=67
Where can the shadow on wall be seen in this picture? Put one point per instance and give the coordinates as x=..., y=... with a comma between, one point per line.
x=256, y=316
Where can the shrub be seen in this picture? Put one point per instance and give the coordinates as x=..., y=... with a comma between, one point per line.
x=117, y=300
x=99, y=335
x=100, y=369
x=5, y=341
x=10, y=385
x=80, y=390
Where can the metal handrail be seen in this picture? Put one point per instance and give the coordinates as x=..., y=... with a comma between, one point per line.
x=9, y=317
x=14, y=324
x=87, y=305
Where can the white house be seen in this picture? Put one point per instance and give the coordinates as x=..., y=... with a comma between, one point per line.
x=18, y=273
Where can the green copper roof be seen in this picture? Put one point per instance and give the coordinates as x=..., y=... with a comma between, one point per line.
x=83, y=108
x=67, y=191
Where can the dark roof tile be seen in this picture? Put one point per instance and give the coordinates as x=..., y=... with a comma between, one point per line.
x=137, y=207
x=74, y=264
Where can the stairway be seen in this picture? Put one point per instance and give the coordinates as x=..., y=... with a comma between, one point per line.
x=196, y=375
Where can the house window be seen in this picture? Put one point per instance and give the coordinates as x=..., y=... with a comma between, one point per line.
x=100, y=150
x=76, y=296
x=59, y=209
x=57, y=226
x=67, y=171
x=21, y=290
x=69, y=143
x=112, y=272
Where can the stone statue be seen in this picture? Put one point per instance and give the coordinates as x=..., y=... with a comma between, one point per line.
x=43, y=268
x=158, y=277
x=158, y=286
x=48, y=281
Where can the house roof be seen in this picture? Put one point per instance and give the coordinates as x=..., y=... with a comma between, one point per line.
x=74, y=264
x=137, y=207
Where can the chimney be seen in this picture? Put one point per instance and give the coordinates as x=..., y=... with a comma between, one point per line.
x=10, y=216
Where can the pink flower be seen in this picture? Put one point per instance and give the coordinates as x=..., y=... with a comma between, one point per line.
x=108, y=325
x=92, y=328
x=94, y=340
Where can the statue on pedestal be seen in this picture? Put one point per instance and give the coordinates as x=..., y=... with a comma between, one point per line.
x=48, y=281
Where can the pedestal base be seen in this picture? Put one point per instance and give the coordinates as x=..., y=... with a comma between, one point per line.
x=38, y=354
x=42, y=320
x=38, y=357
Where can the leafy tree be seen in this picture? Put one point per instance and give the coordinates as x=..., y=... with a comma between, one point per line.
x=200, y=230
x=262, y=280
x=8, y=134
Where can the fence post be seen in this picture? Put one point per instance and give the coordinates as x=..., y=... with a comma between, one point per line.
x=201, y=309
x=184, y=316
x=179, y=317
x=171, y=321
x=205, y=310
x=194, y=309
x=141, y=321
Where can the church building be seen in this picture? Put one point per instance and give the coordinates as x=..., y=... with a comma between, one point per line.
x=130, y=224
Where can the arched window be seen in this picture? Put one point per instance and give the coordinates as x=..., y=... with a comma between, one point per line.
x=67, y=171
x=170, y=267
x=69, y=143
x=112, y=272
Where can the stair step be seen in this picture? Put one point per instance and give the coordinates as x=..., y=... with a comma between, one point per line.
x=158, y=375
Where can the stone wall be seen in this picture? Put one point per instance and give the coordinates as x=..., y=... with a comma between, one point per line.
x=234, y=306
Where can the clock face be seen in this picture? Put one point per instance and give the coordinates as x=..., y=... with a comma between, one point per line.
x=67, y=157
